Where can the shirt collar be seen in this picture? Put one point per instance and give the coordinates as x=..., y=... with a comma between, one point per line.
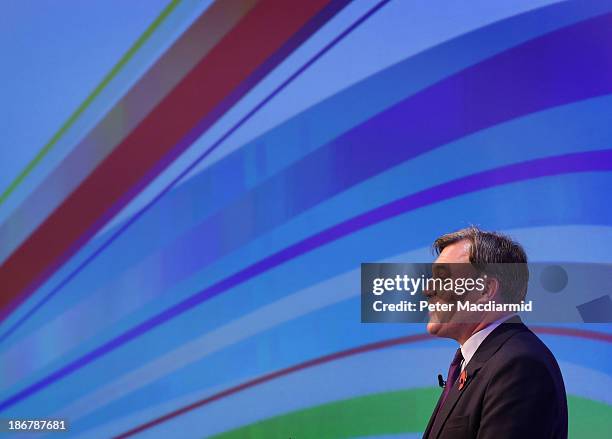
x=469, y=348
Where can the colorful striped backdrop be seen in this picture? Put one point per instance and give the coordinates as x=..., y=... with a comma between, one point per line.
x=181, y=257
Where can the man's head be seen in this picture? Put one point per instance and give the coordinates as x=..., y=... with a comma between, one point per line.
x=500, y=262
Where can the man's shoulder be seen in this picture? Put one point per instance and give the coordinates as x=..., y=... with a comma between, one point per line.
x=524, y=342
x=524, y=346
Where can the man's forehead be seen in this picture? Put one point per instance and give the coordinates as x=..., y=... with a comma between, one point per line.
x=457, y=252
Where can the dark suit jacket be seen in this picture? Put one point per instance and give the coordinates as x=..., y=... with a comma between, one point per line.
x=514, y=390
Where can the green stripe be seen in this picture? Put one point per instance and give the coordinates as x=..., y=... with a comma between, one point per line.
x=405, y=411
x=382, y=413
x=96, y=92
x=588, y=418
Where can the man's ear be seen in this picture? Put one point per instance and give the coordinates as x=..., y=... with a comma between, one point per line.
x=492, y=289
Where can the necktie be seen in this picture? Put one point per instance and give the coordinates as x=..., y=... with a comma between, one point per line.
x=453, y=374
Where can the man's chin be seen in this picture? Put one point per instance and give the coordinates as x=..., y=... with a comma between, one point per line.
x=439, y=329
x=433, y=326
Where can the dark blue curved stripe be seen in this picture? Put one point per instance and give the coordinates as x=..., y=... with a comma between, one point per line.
x=574, y=70
x=570, y=163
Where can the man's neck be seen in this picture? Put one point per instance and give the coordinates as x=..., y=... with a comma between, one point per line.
x=474, y=328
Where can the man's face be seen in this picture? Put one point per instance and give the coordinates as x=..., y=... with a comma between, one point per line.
x=453, y=262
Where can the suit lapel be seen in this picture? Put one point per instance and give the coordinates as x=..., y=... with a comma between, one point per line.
x=432, y=417
x=451, y=400
x=488, y=347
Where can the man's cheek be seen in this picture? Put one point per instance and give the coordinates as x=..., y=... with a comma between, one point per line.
x=446, y=316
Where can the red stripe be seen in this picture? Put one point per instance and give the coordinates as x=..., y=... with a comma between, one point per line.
x=153, y=143
x=572, y=332
x=279, y=373
x=567, y=332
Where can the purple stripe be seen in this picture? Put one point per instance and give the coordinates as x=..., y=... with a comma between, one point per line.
x=569, y=163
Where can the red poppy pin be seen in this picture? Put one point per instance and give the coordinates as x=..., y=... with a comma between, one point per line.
x=462, y=379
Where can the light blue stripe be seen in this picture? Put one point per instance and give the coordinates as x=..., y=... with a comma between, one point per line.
x=342, y=253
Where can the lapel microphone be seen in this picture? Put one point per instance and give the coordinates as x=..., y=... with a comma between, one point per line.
x=441, y=381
